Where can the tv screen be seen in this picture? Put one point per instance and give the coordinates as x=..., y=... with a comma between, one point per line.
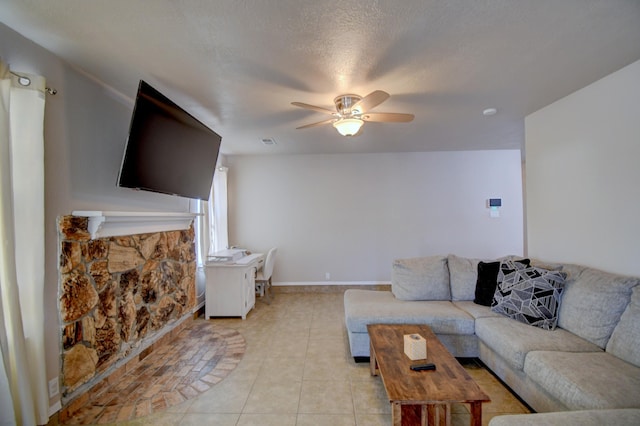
x=168, y=150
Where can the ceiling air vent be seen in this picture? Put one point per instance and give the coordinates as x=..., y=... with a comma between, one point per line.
x=268, y=141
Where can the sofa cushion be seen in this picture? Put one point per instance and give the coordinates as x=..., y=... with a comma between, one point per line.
x=513, y=340
x=615, y=416
x=593, y=302
x=529, y=295
x=475, y=310
x=364, y=307
x=585, y=380
x=538, y=263
x=463, y=274
x=625, y=340
x=421, y=278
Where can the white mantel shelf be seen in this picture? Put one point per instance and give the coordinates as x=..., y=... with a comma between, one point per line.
x=115, y=223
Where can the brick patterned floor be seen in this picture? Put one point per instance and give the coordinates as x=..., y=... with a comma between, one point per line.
x=202, y=355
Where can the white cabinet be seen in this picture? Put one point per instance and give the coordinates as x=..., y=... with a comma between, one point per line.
x=230, y=288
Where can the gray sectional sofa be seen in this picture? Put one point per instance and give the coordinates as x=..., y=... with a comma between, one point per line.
x=590, y=361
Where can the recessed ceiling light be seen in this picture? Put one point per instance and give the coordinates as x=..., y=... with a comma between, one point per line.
x=489, y=111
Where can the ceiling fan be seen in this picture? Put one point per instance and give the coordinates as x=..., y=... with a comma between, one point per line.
x=353, y=110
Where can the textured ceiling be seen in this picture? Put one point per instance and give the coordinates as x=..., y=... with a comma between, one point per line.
x=237, y=65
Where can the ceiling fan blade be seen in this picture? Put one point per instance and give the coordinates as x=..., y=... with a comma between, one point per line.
x=371, y=101
x=388, y=117
x=313, y=107
x=319, y=123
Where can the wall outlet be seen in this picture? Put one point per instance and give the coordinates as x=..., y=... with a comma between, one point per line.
x=327, y=276
x=53, y=387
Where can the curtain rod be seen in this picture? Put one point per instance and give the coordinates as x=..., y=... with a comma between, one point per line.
x=25, y=81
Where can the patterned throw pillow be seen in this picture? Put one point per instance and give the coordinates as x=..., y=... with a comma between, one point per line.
x=488, y=280
x=528, y=294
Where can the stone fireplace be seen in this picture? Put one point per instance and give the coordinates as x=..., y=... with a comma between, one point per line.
x=118, y=295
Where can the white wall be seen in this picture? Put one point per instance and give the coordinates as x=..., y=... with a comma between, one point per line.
x=351, y=215
x=86, y=127
x=583, y=176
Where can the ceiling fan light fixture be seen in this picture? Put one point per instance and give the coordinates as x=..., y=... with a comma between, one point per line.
x=348, y=126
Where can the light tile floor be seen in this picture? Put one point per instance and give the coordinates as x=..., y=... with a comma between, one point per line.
x=297, y=370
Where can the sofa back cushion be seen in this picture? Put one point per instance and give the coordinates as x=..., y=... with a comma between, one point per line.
x=463, y=274
x=625, y=340
x=593, y=302
x=421, y=278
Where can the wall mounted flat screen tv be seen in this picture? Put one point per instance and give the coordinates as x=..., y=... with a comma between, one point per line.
x=168, y=150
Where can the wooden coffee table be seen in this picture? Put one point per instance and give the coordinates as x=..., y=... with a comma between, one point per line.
x=424, y=396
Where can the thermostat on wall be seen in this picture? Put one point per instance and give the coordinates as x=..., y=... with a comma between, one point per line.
x=494, y=202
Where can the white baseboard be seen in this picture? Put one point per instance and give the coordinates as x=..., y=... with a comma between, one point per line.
x=55, y=408
x=310, y=283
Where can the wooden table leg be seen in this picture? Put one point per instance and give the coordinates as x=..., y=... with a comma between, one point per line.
x=373, y=363
x=432, y=414
x=476, y=413
x=396, y=414
x=436, y=414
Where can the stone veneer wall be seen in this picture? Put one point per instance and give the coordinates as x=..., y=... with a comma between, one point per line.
x=118, y=295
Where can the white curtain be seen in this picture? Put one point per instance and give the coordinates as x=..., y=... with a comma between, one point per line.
x=23, y=385
x=219, y=230
x=201, y=228
x=211, y=225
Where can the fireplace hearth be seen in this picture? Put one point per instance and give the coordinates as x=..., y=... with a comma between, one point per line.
x=117, y=296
